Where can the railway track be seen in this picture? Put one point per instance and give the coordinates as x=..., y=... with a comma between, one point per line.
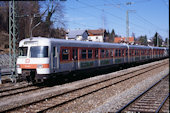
x=11, y=87
x=165, y=106
x=154, y=99
x=22, y=88
x=19, y=90
x=46, y=104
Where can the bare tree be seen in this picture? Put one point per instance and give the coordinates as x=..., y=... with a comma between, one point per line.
x=53, y=16
x=4, y=16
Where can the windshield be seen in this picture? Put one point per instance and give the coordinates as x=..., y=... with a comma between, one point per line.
x=39, y=51
x=23, y=51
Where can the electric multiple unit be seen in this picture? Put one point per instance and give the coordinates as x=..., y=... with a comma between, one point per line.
x=39, y=58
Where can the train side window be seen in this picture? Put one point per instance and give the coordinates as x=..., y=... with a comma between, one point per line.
x=89, y=54
x=116, y=52
x=107, y=53
x=123, y=53
x=96, y=53
x=65, y=54
x=111, y=53
x=130, y=52
x=83, y=55
x=141, y=52
x=102, y=53
x=119, y=52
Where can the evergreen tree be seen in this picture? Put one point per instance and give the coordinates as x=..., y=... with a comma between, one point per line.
x=112, y=36
x=143, y=40
x=157, y=40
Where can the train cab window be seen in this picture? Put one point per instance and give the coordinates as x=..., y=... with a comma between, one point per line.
x=96, y=53
x=39, y=51
x=83, y=55
x=65, y=54
x=89, y=54
x=102, y=52
x=107, y=53
x=23, y=51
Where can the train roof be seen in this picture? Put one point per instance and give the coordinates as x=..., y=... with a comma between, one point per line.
x=45, y=41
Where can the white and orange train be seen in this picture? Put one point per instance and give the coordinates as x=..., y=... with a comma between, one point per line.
x=39, y=58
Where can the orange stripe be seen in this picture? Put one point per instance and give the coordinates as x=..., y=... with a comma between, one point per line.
x=33, y=66
x=46, y=65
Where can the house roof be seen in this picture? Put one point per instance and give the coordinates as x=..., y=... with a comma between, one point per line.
x=119, y=39
x=95, y=32
x=74, y=33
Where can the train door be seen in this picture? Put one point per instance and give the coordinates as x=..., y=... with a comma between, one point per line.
x=75, y=58
x=55, y=59
x=96, y=55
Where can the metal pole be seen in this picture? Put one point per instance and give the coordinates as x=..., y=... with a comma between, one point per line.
x=34, y=28
x=127, y=26
x=157, y=40
x=10, y=33
x=167, y=42
x=12, y=40
x=103, y=24
x=30, y=27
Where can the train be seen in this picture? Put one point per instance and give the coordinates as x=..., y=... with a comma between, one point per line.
x=40, y=58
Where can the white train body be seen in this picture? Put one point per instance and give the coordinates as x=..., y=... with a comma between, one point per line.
x=44, y=56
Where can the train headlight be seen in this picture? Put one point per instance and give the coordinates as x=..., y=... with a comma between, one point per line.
x=18, y=66
x=39, y=66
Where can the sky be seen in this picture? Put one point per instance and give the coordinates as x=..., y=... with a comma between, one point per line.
x=146, y=17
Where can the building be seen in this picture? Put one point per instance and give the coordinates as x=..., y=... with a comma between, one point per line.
x=122, y=40
x=96, y=35
x=77, y=35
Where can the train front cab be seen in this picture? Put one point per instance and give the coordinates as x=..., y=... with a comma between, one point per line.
x=33, y=62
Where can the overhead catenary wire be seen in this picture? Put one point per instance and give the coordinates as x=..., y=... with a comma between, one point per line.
x=144, y=19
x=117, y=17
x=120, y=18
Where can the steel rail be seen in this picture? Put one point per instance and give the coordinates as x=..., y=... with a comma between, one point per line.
x=123, y=108
x=18, y=107
x=162, y=104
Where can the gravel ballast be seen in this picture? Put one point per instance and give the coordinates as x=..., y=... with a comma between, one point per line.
x=95, y=101
x=114, y=103
x=66, y=87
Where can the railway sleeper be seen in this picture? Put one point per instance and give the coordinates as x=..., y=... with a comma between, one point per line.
x=145, y=107
x=147, y=104
x=135, y=110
